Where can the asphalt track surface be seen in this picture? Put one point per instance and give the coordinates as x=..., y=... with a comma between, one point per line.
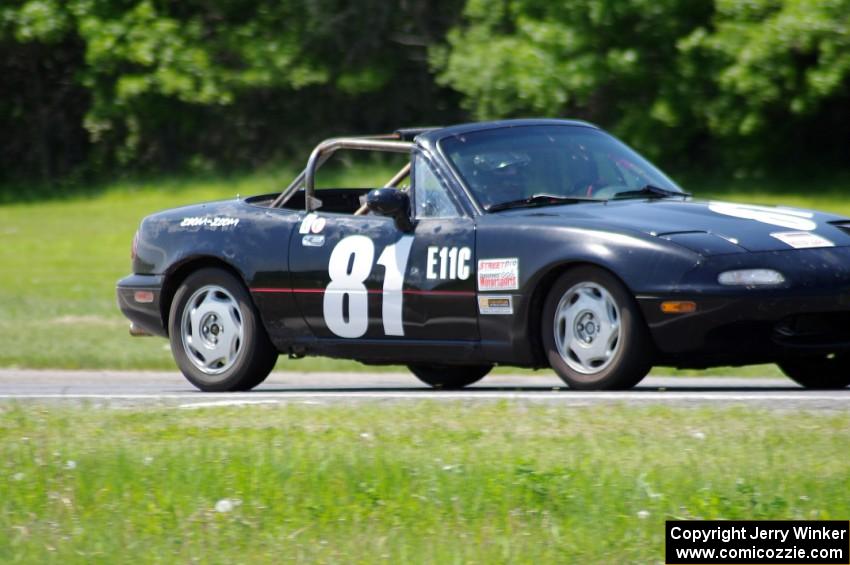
x=170, y=388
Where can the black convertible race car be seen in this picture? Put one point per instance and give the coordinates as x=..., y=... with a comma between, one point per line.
x=531, y=243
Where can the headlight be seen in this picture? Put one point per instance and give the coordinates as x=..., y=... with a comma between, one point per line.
x=751, y=277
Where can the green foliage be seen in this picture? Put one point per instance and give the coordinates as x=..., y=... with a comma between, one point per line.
x=160, y=83
x=668, y=75
x=604, y=60
x=99, y=85
x=768, y=58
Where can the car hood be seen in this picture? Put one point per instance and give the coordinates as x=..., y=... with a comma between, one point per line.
x=709, y=227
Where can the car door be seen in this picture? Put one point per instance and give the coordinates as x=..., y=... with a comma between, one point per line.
x=363, y=279
x=441, y=278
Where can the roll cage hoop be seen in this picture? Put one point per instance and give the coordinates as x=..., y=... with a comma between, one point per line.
x=401, y=141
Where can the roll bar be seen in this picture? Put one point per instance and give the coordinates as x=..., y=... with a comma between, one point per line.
x=323, y=151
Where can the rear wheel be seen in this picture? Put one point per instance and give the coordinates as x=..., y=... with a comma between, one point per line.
x=593, y=333
x=216, y=336
x=824, y=372
x=450, y=377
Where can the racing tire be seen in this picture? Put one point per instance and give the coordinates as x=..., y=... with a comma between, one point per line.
x=450, y=377
x=819, y=372
x=593, y=333
x=216, y=335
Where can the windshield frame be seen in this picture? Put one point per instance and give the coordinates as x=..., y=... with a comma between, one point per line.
x=480, y=208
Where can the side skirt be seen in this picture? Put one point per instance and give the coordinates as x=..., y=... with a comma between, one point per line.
x=390, y=351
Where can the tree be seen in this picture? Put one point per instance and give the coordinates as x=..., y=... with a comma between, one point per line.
x=699, y=82
x=159, y=83
x=610, y=61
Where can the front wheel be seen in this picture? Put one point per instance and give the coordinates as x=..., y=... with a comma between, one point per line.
x=593, y=333
x=823, y=372
x=450, y=377
x=216, y=336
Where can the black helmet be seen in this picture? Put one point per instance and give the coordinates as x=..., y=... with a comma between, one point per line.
x=499, y=176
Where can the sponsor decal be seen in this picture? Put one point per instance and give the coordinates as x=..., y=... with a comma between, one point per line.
x=496, y=304
x=313, y=240
x=782, y=217
x=306, y=223
x=498, y=274
x=802, y=239
x=209, y=222
x=318, y=225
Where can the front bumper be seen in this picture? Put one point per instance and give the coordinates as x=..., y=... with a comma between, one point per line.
x=761, y=328
x=145, y=314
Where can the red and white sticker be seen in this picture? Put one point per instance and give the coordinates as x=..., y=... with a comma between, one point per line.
x=498, y=274
x=802, y=239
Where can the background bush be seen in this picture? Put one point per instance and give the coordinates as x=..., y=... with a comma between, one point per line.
x=93, y=87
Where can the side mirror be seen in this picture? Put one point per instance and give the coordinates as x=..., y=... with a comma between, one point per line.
x=393, y=203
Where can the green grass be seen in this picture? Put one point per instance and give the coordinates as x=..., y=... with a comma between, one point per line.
x=397, y=483
x=61, y=258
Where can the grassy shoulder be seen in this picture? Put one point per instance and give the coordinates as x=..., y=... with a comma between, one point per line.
x=62, y=257
x=423, y=482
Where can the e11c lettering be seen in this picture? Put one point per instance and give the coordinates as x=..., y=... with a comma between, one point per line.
x=448, y=263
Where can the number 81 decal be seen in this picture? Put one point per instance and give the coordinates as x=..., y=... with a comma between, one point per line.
x=358, y=252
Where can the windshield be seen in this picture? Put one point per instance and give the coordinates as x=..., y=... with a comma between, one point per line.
x=513, y=164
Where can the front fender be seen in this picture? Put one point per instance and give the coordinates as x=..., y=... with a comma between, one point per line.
x=643, y=263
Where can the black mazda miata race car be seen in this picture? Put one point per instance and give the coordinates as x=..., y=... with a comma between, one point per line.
x=531, y=243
